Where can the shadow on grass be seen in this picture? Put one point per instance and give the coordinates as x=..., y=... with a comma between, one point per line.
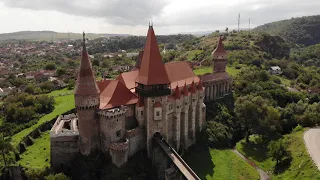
x=257, y=151
x=199, y=159
x=282, y=167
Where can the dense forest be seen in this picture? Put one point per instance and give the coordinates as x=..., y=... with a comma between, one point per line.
x=302, y=30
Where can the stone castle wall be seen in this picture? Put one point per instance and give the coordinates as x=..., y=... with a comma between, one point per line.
x=137, y=140
x=63, y=150
x=119, y=153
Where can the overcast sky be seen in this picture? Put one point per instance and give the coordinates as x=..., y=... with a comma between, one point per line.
x=132, y=16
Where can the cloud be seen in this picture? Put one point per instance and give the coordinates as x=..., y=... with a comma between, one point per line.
x=221, y=14
x=120, y=12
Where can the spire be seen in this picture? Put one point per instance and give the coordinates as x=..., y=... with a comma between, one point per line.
x=84, y=41
x=200, y=86
x=86, y=83
x=220, y=49
x=152, y=70
x=176, y=93
x=193, y=88
x=185, y=90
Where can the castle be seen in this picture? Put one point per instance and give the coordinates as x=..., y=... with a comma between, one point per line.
x=119, y=117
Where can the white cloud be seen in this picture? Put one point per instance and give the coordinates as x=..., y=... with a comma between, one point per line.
x=131, y=16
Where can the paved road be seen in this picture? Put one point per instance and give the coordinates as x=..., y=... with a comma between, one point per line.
x=312, y=141
x=262, y=173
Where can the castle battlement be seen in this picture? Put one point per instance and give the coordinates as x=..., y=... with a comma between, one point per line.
x=133, y=132
x=65, y=125
x=112, y=113
x=120, y=146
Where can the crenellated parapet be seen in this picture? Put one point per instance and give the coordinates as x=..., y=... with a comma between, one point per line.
x=87, y=103
x=113, y=113
x=120, y=146
x=65, y=125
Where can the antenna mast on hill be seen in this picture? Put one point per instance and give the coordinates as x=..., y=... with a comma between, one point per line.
x=249, y=26
x=239, y=23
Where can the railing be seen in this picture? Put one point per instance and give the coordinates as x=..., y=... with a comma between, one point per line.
x=176, y=159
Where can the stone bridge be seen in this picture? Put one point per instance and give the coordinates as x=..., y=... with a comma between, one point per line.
x=168, y=162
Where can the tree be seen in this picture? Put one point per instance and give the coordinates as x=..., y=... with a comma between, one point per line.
x=278, y=150
x=227, y=30
x=46, y=86
x=61, y=71
x=5, y=149
x=95, y=62
x=50, y=66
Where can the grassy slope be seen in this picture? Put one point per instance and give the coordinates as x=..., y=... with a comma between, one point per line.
x=301, y=167
x=37, y=155
x=220, y=164
x=63, y=104
x=231, y=70
x=192, y=54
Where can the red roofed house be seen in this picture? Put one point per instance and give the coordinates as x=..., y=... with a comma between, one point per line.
x=120, y=117
x=218, y=83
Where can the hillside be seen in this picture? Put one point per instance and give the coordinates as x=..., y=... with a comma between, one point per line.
x=50, y=35
x=302, y=30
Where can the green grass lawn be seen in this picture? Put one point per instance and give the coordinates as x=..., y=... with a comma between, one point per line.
x=301, y=167
x=192, y=54
x=38, y=154
x=62, y=104
x=219, y=165
x=60, y=92
x=231, y=70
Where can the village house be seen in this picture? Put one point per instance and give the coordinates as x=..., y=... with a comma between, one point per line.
x=275, y=70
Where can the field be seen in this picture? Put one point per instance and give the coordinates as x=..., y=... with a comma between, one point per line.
x=231, y=70
x=62, y=104
x=301, y=167
x=38, y=154
x=219, y=165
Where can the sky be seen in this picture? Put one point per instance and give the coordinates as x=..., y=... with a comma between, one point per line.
x=133, y=16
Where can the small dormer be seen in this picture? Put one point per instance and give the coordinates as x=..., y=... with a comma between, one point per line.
x=157, y=111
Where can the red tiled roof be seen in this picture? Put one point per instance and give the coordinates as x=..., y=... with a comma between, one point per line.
x=139, y=59
x=152, y=70
x=157, y=104
x=176, y=93
x=193, y=88
x=220, y=49
x=116, y=94
x=128, y=78
x=86, y=83
x=215, y=77
x=180, y=73
x=103, y=84
x=185, y=90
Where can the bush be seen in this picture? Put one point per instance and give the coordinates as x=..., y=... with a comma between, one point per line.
x=278, y=150
x=298, y=128
x=59, y=176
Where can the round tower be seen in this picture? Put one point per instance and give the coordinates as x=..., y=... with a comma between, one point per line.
x=87, y=102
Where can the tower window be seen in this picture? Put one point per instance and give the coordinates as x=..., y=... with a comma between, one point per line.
x=158, y=113
x=118, y=133
x=141, y=113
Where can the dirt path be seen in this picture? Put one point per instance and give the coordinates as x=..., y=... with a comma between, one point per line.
x=262, y=173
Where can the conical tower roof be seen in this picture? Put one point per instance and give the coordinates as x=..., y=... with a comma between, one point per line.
x=219, y=49
x=185, y=90
x=86, y=83
x=177, y=94
x=152, y=70
x=193, y=88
